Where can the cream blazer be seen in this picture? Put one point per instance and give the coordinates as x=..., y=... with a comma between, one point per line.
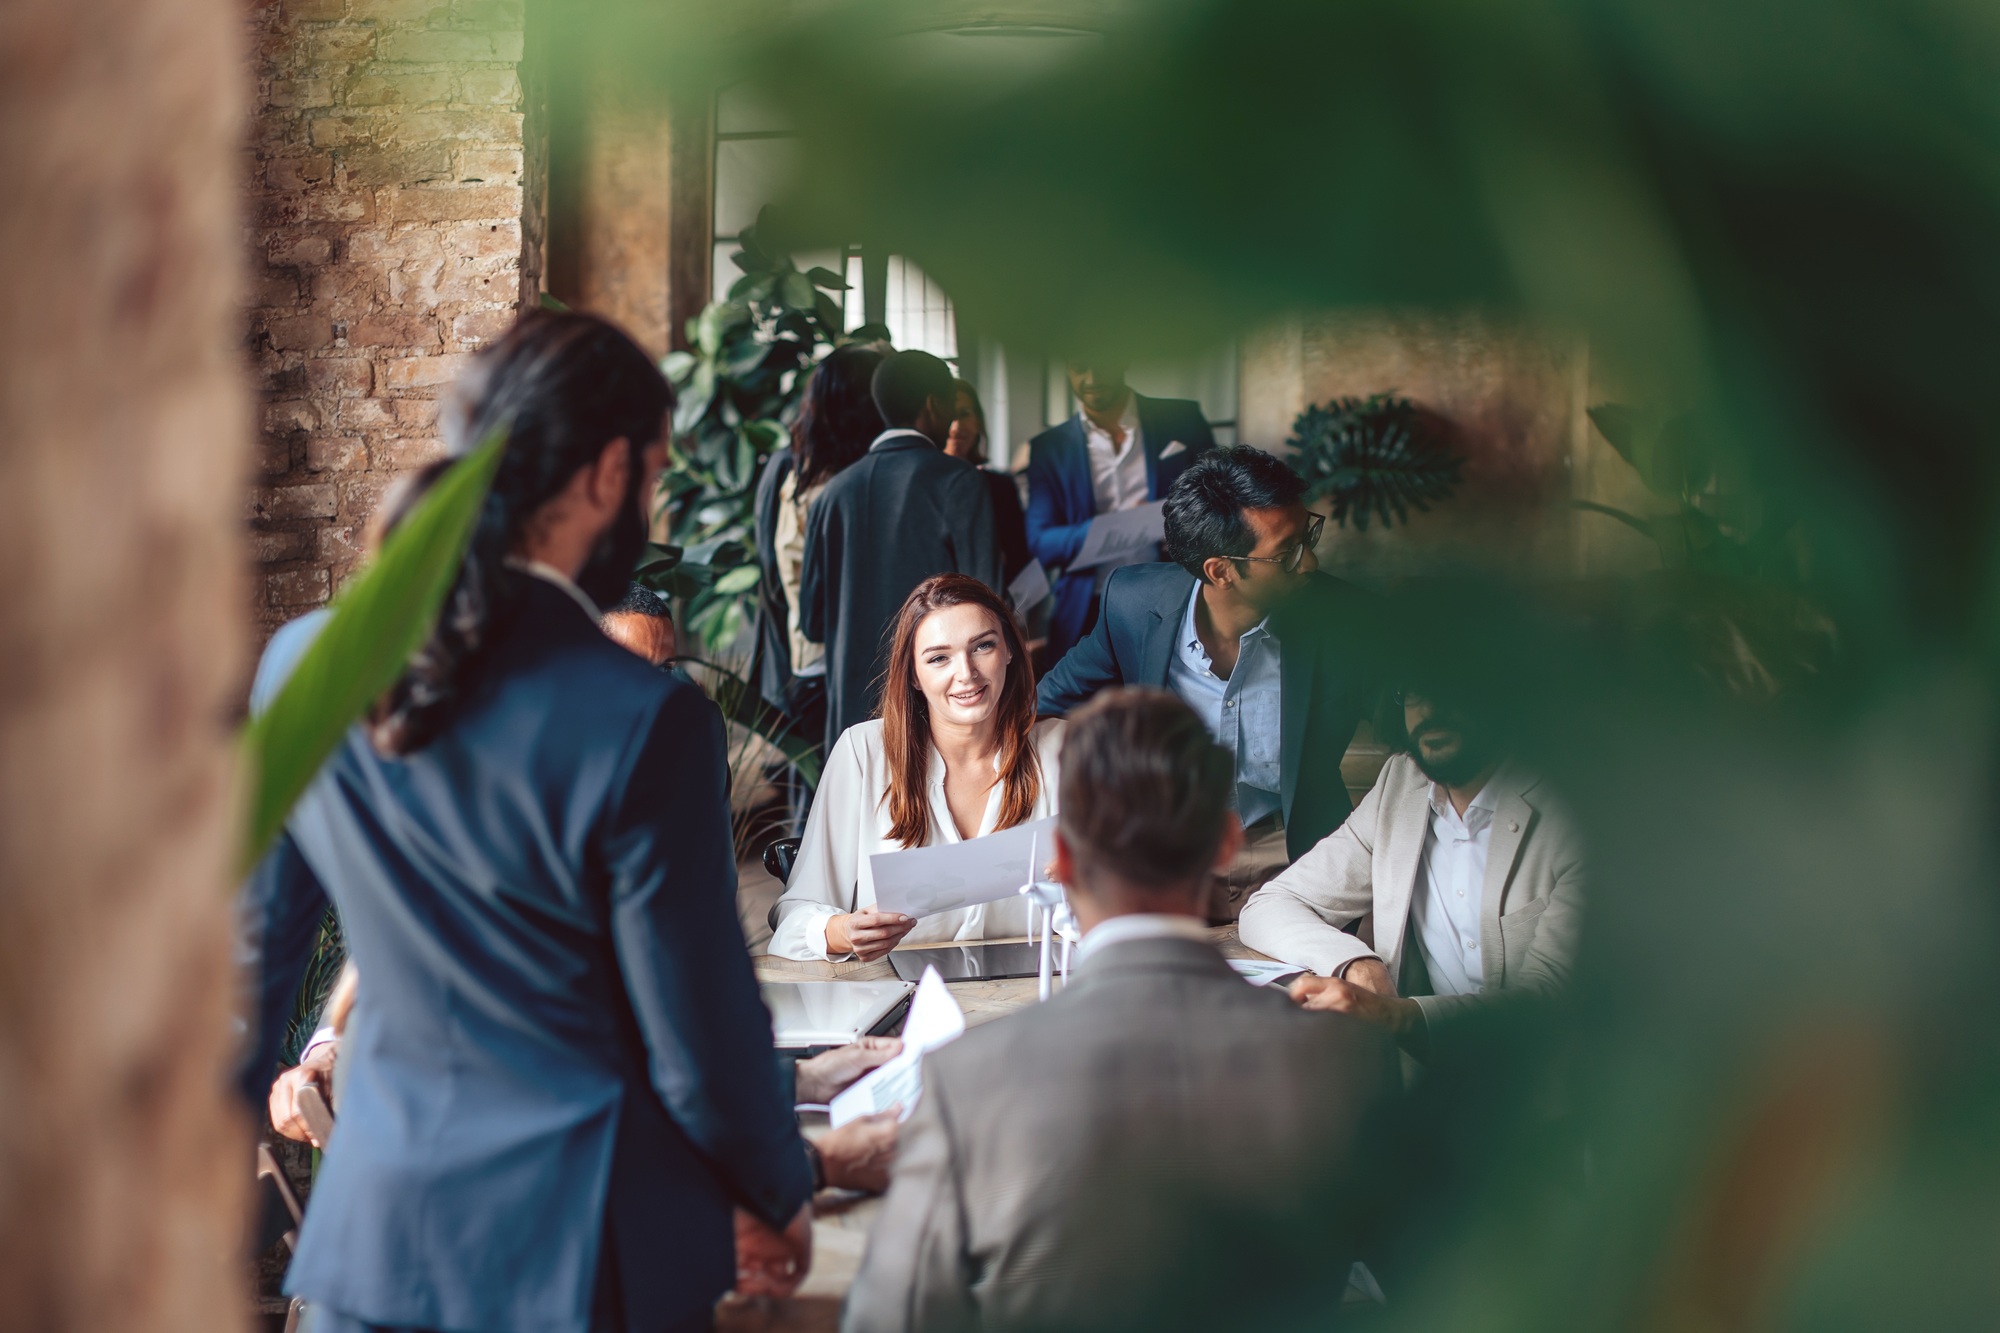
x=850, y=823
x=1531, y=905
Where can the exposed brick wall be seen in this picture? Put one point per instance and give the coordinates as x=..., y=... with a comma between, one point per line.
x=385, y=216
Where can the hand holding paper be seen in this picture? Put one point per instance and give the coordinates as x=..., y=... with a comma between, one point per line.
x=926, y=880
x=934, y=1020
x=1123, y=537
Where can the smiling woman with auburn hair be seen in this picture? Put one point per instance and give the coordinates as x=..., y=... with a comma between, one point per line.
x=956, y=753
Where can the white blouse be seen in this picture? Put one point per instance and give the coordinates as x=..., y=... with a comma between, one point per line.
x=850, y=822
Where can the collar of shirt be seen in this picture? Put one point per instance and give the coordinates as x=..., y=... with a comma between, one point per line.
x=550, y=574
x=897, y=432
x=1140, y=926
x=1478, y=811
x=1128, y=426
x=1195, y=652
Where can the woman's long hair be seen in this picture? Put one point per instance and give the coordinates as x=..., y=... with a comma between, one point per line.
x=561, y=386
x=837, y=418
x=906, y=722
x=979, y=415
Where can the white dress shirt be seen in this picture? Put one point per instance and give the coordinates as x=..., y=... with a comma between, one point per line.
x=850, y=822
x=1117, y=471
x=1140, y=926
x=1241, y=713
x=1451, y=881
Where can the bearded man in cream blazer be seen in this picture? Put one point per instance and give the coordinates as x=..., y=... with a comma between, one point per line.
x=1464, y=877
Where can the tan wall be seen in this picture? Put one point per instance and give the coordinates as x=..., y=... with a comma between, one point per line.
x=1511, y=400
x=385, y=181
x=125, y=421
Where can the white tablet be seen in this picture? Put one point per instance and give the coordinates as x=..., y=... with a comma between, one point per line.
x=830, y=1013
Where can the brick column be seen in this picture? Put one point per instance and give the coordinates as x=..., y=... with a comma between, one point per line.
x=386, y=240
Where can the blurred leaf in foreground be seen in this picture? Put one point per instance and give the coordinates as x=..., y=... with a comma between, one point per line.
x=378, y=620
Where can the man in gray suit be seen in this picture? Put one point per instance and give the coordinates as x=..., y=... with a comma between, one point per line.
x=1462, y=870
x=1162, y=1145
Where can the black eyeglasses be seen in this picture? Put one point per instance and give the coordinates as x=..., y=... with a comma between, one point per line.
x=1292, y=559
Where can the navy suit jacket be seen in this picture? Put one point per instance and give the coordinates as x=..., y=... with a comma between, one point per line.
x=1329, y=672
x=558, y=1073
x=1061, y=504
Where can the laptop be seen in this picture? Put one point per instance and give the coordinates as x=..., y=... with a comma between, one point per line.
x=808, y=1015
x=972, y=962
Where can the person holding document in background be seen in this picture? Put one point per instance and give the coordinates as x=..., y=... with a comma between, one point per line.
x=1119, y=451
x=1162, y=1144
x=1277, y=658
x=957, y=753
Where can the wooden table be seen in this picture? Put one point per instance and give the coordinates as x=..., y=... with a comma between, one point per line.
x=841, y=1220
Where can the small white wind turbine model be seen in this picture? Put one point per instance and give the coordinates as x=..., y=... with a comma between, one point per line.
x=1048, y=915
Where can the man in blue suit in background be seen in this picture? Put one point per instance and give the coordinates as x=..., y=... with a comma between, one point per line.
x=558, y=1093
x=1119, y=451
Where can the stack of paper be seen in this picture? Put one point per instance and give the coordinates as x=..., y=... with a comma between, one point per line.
x=935, y=1020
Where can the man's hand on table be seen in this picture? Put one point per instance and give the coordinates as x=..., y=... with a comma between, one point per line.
x=1368, y=994
x=823, y=1077
x=866, y=934
x=771, y=1262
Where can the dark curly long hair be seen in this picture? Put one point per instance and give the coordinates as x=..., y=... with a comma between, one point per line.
x=837, y=418
x=562, y=386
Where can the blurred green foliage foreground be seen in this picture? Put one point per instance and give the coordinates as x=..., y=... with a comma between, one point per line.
x=1774, y=1099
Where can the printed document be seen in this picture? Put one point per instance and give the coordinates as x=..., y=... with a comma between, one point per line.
x=1029, y=587
x=1123, y=537
x=935, y=1020
x=924, y=880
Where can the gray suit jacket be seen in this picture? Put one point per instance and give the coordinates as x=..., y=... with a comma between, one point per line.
x=1531, y=906
x=1161, y=1145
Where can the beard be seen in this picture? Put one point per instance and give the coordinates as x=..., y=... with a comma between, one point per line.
x=1456, y=769
x=607, y=575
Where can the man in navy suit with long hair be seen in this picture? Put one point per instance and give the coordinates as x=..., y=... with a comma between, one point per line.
x=559, y=1106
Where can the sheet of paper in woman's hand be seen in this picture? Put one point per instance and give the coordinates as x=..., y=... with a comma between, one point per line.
x=926, y=880
x=935, y=1019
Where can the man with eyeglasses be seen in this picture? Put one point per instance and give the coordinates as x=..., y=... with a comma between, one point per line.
x=1277, y=658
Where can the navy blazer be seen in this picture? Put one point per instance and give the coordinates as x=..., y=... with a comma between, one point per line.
x=558, y=1068
x=1061, y=503
x=1329, y=672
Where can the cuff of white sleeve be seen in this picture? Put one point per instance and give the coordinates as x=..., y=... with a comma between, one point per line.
x=323, y=1037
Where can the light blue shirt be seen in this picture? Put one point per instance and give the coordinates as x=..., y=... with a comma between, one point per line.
x=1242, y=713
